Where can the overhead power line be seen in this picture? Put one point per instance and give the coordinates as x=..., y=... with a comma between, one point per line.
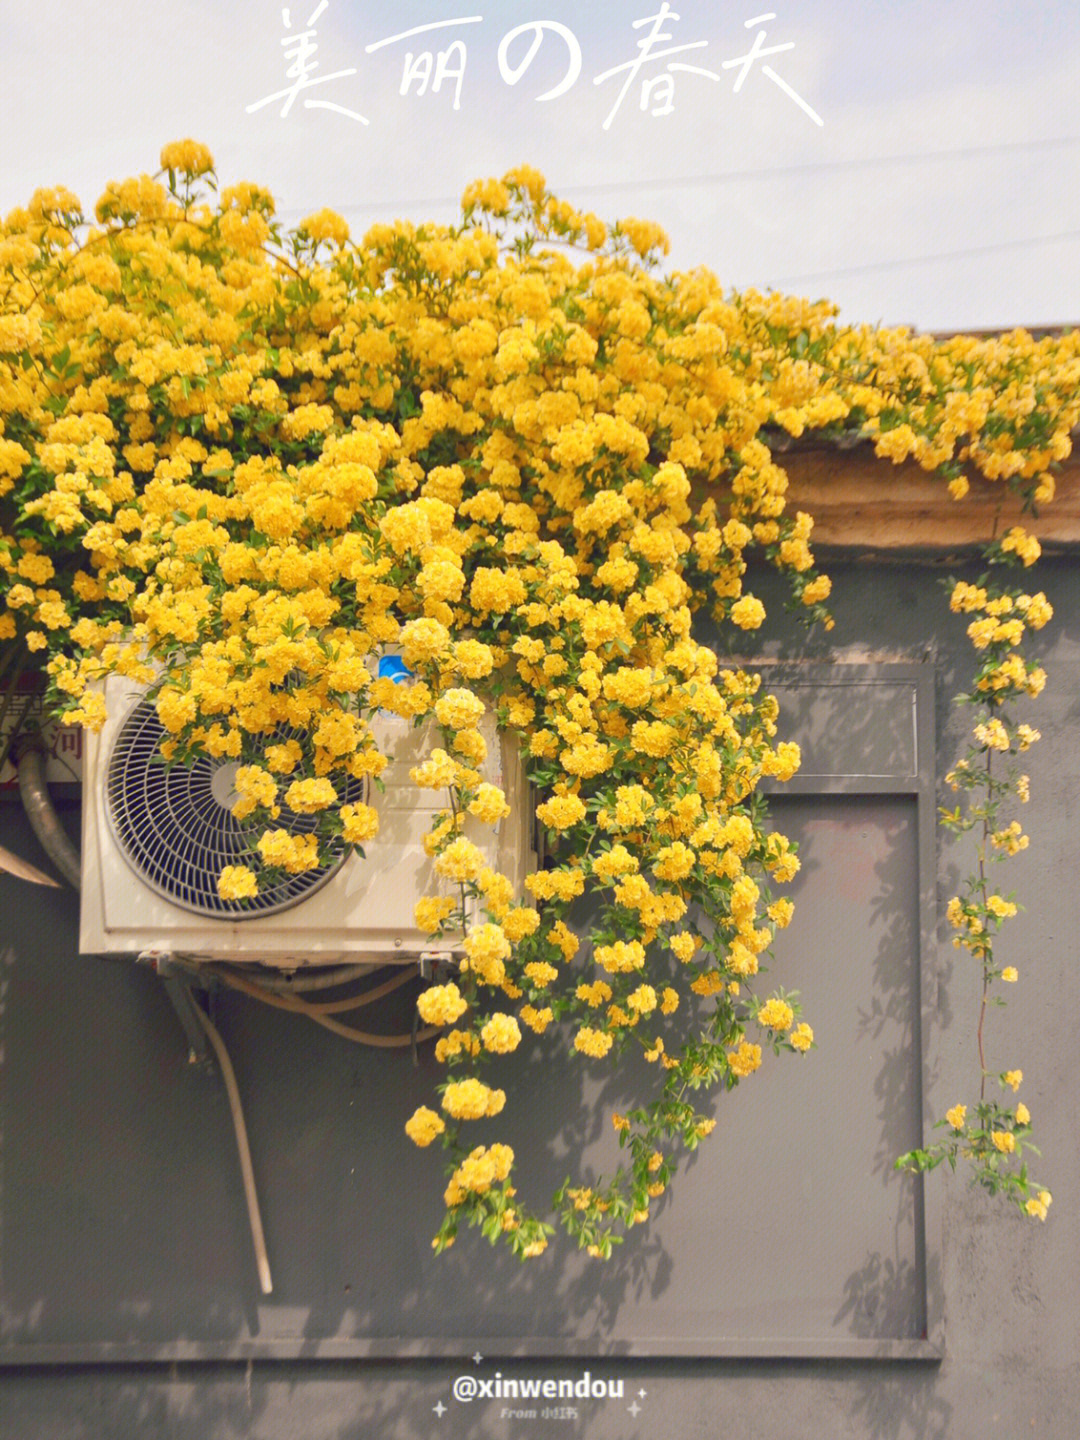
x=686, y=182
x=900, y=263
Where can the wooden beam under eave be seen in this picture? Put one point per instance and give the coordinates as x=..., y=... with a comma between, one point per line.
x=861, y=502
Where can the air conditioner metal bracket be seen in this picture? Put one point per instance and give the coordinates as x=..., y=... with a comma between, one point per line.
x=179, y=982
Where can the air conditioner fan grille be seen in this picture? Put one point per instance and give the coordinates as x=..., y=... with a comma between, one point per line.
x=174, y=826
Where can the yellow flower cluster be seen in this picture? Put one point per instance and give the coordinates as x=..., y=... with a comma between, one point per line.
x=441, y=1005
x=471, y=1100
x=501, y=1034
x=481, y=1169
x=776, y=1015
x=594, y=1043
x=424, y=1126
x=745, y=1060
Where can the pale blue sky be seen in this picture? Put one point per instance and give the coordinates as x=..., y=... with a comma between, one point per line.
x=942, y=188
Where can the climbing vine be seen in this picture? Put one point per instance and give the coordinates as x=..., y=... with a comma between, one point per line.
x=241, y=465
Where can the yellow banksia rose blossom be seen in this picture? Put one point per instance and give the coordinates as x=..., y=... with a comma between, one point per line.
x=1014, y=1079
x=708, y=983
x=555, y=884
x=561, y=812
x=424, y=1126
x=294, y=853
x=255, y=787
x=748, y=613
x=802, y=1037
x=441, y=1005
x=1038, y=1205
x=359, y=823
x=437, y=772
x=325, y=225
x=564, y=938
x=1010, y=974
x=992, y=734
x=684, y=945
x=780, y=912
x=423, y=639
x=1003, y=1140
x=594, y=1043
x=784, y=762
x=472, y=1100
x=956, y=1116
x=237, y=882
x=459, y=709
x=472, y=746
x=495, y=591
x=483, y=1167
x=430, y=912
x=599, y=993
x=456, y=1042
x=745, y=1060
x=621, y=957
x=615, y=862
x=487, y=949
x=523, y=920
x=674, y=862
x=187, y=156
x=966, y=598
x=500, y=1034
x=540, y=973
x=473, y=659
x=1036, y=609
x=283, y=759
x=537, y=1020
x=460, y=861
x=306, y=796
x=489, y=804
x=818, y=590
x=776, y=1015
x=1022, y=544
x=1012, y=840
x=1023, y=1114
x=643, y=1000
x=1000, y=907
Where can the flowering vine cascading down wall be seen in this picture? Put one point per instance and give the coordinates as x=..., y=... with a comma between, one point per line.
x=238, y=465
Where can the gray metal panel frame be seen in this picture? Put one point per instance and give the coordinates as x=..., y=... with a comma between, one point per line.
x=923, y=786
x=928, y=1216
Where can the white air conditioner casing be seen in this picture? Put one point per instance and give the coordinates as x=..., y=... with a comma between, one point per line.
x=362, y=913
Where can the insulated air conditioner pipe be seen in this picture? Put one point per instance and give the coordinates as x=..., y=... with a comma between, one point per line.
x=44, y=821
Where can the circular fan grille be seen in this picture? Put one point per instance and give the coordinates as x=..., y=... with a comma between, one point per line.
x=175, y=828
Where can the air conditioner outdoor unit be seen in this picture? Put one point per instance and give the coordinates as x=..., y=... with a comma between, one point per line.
x=156, y=838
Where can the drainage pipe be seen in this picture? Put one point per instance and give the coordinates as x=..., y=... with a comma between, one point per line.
x=45, y=823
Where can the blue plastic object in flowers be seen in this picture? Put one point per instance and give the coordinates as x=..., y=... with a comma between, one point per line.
x=392, y=667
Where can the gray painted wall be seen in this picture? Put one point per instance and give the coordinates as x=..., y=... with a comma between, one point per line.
x=122, y=1218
